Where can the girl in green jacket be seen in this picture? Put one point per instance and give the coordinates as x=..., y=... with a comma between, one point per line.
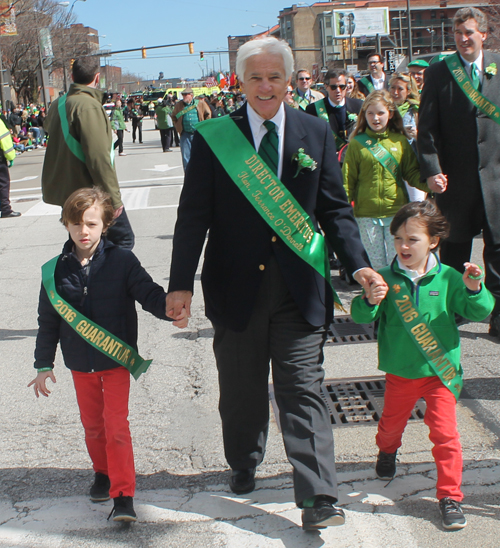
x=377, y=162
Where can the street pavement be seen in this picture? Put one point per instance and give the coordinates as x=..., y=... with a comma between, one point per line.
x=182, y=497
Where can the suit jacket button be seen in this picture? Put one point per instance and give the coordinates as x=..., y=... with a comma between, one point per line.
x=262, y=267
x=273, y=239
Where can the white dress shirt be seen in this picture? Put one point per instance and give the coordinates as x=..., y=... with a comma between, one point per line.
x=378, y=83
x=341, y=104
x=259, y=130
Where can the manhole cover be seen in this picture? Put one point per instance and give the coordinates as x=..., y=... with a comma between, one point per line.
x=354, y=402
x=344, y=331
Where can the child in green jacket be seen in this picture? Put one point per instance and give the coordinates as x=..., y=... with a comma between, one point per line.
x=419, y=345
x=377, y=162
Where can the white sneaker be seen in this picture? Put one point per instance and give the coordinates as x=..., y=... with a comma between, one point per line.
x=122, y=154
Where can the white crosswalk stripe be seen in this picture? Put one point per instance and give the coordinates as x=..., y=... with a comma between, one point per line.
x=133, y=198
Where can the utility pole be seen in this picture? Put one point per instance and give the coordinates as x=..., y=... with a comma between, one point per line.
x=410, y=41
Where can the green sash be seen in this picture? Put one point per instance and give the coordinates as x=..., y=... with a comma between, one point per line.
x=186, y=109
x=267, y=194
x=464, y=82
x=321, y=112
x=368, y=84
x=300, y=100
x=74, y=146
x=96, y=336
x=423, y=336
x=383, y=156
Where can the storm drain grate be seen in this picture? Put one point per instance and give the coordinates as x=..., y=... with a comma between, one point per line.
x=344, y=331
x=354, y=402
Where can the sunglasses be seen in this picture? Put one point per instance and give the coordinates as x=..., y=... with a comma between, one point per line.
x=305, y=78
x=335, y=86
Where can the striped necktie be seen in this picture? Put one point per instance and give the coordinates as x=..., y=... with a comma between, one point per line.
x=474, y=76
x=268, y=149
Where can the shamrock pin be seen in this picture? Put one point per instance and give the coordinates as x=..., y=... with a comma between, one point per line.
x=491, y=70
x=304, y=161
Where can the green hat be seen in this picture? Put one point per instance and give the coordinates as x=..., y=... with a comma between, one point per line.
x=419, y=63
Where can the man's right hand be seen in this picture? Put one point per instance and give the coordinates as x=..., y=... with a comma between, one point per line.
x=177, y=302
x=437, y=183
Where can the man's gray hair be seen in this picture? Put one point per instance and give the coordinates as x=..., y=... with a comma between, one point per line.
x=259, y=46
x=464, y=14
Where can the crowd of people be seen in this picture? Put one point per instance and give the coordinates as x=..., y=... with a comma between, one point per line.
x=381, y=170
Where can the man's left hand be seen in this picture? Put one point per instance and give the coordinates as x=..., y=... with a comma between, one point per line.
x=367, y=276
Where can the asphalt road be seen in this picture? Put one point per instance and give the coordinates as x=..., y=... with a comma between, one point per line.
x=182, y=496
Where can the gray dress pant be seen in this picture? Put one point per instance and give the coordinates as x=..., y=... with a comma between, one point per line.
x=276, y=333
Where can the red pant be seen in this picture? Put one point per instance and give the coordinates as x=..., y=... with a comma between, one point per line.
x=103, y=400
x=400, y=398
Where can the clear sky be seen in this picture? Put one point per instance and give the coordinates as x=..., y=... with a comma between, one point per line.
x=131, y=23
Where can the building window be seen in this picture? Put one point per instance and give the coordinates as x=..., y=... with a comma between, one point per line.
x=329, y=40
x=433, y=14
x=328, y=23
x=288, y=24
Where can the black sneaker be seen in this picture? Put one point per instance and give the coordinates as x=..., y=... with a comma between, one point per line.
x=123, y=510
x=451, y=512
x=99, y=492
x=386, y=465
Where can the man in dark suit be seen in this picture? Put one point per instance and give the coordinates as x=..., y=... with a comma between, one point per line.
x=266, y=302
x=377, y=79
x=458, y=145
x=341, y=112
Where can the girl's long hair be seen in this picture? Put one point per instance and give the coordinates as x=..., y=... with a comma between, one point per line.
x=380, y=96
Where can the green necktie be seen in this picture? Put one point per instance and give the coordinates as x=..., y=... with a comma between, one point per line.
x=268, y=149
x=474, y=76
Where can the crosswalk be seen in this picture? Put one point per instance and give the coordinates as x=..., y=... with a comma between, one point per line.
x=133, y=198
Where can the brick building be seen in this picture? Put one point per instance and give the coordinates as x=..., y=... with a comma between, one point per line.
x=309, y=31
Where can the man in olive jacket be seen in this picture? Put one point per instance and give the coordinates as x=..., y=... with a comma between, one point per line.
x=79, y=151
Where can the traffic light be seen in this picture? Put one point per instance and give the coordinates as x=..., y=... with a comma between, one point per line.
x=160, y=76
x=201, y=56
x=191, y=47
x=144, y=53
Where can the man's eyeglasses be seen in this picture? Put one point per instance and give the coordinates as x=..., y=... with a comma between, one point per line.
x=305, y=78
x=335, y=86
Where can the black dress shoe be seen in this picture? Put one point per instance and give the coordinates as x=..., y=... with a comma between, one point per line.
x=242, y=481
x=322, y=514
x=11, y=214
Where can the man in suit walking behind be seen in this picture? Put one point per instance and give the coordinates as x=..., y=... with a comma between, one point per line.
x=458, y=139
x=340, y=112
x=267, y=291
